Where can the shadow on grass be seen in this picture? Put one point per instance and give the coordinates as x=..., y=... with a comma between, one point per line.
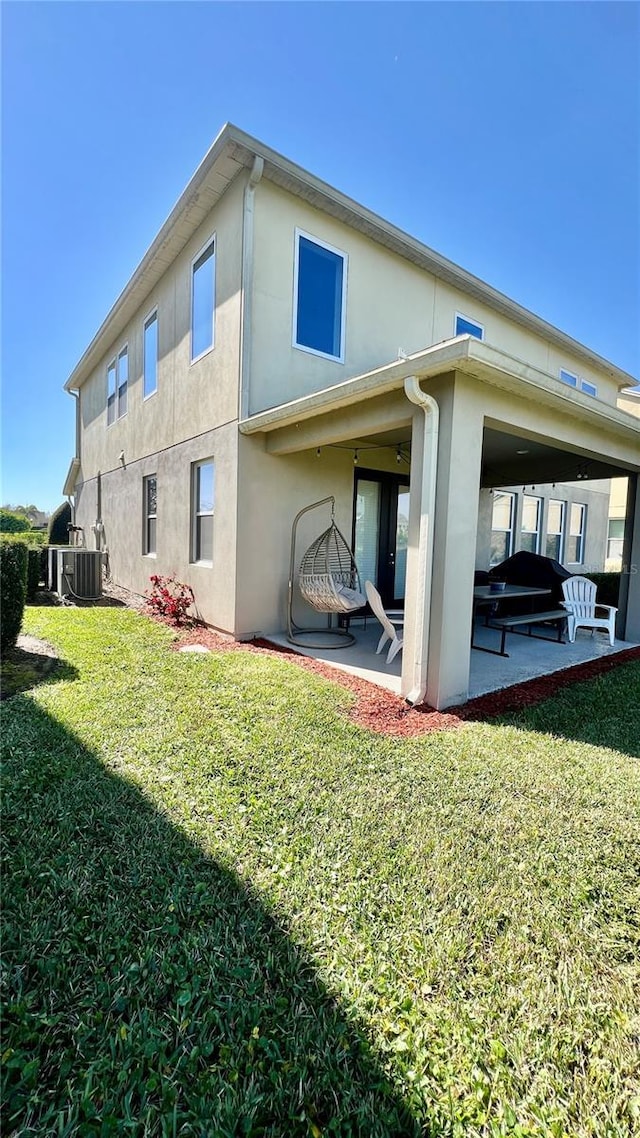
x=146, y=988
x=21, y=670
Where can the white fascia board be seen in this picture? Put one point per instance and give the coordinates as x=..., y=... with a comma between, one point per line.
x=70, y=480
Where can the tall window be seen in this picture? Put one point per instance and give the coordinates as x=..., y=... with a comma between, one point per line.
x=466, y=327
x=203, y=291
x=320, y=294
x=575, y=541
x=502, y=526
x=203, y=501
x=150, y=508
x=150, y=367
x=530, y=533
x=615, y=539
x=555, y=529
x=123, y=380
x=111, y=393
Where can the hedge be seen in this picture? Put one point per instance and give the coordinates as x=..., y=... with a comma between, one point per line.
x=27, y=537
x=58, y=534
x=13, y=586
x=608, y=585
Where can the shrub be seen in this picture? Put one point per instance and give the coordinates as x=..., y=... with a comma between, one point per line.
x=13, y=523
x=170, y=599
x=608, y=585
x=58, y=533
x=27, y=537
x=34, y=571
x=13, y=583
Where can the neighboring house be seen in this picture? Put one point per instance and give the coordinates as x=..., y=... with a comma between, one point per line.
x=279, y=343
x=627, y=401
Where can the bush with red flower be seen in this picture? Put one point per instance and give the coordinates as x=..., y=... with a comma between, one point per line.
x=170, y=600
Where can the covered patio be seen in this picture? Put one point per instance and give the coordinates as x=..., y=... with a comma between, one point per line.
x=476, y=419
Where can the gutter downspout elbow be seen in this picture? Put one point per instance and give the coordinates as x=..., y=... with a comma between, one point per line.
x=424, y=568
x=255, y=176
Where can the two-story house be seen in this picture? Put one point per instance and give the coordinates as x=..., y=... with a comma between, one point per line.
x=280, y=343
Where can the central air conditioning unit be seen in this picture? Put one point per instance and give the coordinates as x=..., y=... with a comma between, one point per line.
x=77, y=572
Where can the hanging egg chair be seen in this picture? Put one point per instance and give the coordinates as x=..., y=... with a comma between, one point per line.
x=329, y=582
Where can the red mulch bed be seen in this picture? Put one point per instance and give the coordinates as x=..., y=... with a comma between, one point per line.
x=380, y=710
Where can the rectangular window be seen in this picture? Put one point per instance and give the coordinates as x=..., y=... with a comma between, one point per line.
x=319, y=298
x=615, y=539
x=531, y=515
x=575, y=541
x=150, y=500
x=203, y=300
x=123, y=381
x=569, y=378
x=502, y=526
x=555, y=529
x=588, y=388
x=466, y=327
x=111, y=393
x=150, y=366
x=203, y=501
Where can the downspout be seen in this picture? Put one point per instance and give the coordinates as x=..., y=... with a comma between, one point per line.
x=424, y=568
x=247, y=284
x=72, y=503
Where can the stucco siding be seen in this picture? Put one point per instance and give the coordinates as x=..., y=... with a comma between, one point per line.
x=190, y=397
x=391, y=304
x=121, y=510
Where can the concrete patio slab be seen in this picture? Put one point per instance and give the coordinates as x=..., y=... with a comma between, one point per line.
x=528, y=657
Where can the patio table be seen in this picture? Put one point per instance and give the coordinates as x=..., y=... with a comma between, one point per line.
x=482, y=594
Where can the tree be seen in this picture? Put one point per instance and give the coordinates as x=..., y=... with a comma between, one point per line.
x=13, y=523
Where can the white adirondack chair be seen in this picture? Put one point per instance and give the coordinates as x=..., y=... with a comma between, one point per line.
x=390, y=623
x=580, y=603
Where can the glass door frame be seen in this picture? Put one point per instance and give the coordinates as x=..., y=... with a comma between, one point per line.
x=391, y=484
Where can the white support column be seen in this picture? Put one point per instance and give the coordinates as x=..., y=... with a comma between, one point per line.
x=456, y=523
x=629, y=615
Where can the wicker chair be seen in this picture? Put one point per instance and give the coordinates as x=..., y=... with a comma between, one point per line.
x=328, y=581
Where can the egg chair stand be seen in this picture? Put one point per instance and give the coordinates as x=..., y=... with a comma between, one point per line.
x=328, y=580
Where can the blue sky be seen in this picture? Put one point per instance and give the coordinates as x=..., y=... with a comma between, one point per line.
x=504, y=135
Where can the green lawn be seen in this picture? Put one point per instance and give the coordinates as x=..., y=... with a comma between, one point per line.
x=230, y=911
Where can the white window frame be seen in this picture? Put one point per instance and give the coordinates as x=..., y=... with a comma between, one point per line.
x=146, y=516
x=152, y=315
x=538, y=529
x=339, y=359
x=568, y=377
x=124, y=350
x=581, y=535
x=113, y=364
x=557, y=533
x=211, y=241
x=469, y=320
x=512, y=522
x=196, y=513
x=589, y=388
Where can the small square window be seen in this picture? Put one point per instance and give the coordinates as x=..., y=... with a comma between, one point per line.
x=150, y=367
x=203, y=497
x=466, y=327
x=568, y=377
x=150, y=511
x=319, y=300
x=588, y=388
